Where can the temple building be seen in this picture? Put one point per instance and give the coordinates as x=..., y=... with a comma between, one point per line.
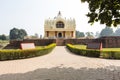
x=59, y=27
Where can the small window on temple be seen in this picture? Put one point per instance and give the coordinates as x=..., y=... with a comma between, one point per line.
x=60, y=24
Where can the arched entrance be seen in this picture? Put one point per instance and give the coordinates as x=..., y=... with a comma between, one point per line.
x=60, y=35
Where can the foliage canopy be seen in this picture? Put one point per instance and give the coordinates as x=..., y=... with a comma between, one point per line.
x=105, y=11
x=80, y=34
x=107, y=31
x=17, y=33
x=3, y=37
x=117, y=32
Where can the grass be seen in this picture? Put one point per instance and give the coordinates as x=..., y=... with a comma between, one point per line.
x=80, y=46
x=3, y=43
x=111, y=49
x=104, y=49
x=39, y=47
x=36, y=47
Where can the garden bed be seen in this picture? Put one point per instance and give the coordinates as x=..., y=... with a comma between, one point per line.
x=12, y=54
x=108, y=53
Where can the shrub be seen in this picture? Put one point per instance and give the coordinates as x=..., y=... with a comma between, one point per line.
x=94, y=53
x=110, y=54
x=84, y=52
x=21, y=54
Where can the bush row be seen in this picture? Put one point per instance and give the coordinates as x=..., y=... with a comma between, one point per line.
x=110, y=54
x=84, y=52
x=21, y=54
x=94, y=53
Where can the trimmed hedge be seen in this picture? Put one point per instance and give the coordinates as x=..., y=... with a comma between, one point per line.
x=94, y=53
x=84, y=52
x=110, y=54
x=22, y=54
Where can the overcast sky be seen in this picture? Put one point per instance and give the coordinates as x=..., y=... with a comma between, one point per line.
x=30, y=15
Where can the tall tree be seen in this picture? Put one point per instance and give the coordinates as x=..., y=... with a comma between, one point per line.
x=79, y=34
x=89, y=35
x=3, y=37
x=107, y=31
x=14, y=33
x=97, y=34
x=17, y=33
x=22, y=33
x=40, y=36
x=117, y=32
x=105, y=11
x=35, y=36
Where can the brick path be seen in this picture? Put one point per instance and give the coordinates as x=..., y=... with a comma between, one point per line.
x=60, y=64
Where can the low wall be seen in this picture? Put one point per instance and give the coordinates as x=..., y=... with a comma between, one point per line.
x=59, y=42
x=80, y=41
x=108, y=42
x=37, y=42
x=111, y=42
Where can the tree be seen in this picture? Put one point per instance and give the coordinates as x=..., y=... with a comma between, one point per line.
x=97, y=34
x=105, y=11
x=89, y=35
x=35, y=36
x=117, y=32
x=17, y=33
x=80, y=34
x=3, y=37
x=14, y=33
x=107, y=31
x=40, y=36
x=22, y=33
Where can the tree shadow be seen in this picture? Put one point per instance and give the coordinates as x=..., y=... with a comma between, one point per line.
x=62, y=73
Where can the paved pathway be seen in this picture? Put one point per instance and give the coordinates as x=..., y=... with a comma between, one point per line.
x=60, y=64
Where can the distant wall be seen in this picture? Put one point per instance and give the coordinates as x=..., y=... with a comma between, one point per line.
x=59, y=42
x=107, y=42
x=111, y=42
x=81, y=41
x=37, y=42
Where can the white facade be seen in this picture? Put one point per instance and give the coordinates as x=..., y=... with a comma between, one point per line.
x=59, y=27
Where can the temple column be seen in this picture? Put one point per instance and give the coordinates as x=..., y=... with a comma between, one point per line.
x=56, y=34
x=64, y=34
x=47, y=33
x=71, y=33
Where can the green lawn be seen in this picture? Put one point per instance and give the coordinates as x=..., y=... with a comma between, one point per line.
x=3, y=43
x=111, y=49
x=104, y=49
x=38, y=47
x=80, y=46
